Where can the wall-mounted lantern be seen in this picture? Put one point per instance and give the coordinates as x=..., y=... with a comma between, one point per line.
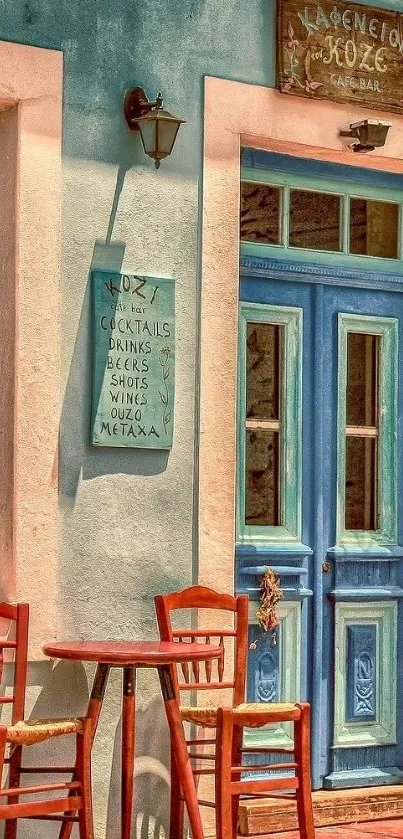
x=370, y=134
x=158, y=128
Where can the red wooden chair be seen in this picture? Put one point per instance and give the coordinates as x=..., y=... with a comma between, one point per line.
x=71, y=801
x=196, y=598
x=212, y=676
x=229, y=782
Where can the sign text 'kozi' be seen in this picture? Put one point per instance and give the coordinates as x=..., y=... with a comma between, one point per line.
x=133, y=360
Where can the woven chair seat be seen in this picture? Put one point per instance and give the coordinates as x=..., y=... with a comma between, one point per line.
x=265, y=708
x=28, y=732
x=200, y=716
x=263, y=711
x=207, y=716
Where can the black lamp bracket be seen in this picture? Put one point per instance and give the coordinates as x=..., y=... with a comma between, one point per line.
x=137, y=105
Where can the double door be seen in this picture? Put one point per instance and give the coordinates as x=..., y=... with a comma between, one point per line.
x=319, y=502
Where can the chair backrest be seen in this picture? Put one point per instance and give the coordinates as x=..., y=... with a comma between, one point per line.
x=208, y=675
x=14, y=638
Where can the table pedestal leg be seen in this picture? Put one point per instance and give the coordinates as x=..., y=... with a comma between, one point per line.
x=93, y=711
x=97, y=696
x=128, y=734
x=181, y=753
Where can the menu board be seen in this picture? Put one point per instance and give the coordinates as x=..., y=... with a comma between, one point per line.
x=341, y=51
x=133, y=360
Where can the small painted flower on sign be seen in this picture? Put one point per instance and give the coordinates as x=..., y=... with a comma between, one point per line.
x=292, y=41
x=164, y=394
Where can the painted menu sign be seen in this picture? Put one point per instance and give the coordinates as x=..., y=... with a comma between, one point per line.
x=133, y=360
x=341, y=51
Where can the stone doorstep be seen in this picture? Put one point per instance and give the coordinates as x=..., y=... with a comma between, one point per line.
x=265, y=815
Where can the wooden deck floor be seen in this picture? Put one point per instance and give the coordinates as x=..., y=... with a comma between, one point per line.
x=385, y=829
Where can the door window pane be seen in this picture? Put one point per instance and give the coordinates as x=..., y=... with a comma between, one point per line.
x=362, y=377
x=269, y=414
x=262, y=467
x=264, y=353
x=362, y=431
x=361, y=458
x=263, y=349
x=315, y=220
x=260, y=213
x=374, y=228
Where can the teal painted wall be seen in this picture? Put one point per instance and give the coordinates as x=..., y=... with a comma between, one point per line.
x=108, y=46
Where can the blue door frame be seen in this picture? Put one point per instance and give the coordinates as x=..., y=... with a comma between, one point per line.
x=342, y=602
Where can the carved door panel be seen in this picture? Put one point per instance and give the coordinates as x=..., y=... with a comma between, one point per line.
x=328, y=459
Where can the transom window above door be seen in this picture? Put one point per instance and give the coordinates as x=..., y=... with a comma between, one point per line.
x=280, y=215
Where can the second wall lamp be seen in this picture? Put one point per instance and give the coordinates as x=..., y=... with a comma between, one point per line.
x=158, y=128
x=369, y=134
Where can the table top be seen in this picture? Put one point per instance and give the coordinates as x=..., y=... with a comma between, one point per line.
x=150, y=653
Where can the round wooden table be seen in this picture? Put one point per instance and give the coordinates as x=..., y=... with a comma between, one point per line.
x=161, y=655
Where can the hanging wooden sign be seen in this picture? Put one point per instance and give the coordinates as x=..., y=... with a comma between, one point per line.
x=133, y=360
x=341, y=51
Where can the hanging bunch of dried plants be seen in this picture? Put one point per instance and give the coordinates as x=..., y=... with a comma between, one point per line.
x=270, y=594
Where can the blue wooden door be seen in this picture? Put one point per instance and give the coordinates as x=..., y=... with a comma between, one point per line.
x=335, y=544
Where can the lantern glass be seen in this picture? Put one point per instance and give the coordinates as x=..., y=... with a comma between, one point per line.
x=158, y=130
x=167, y=130
x=148, y=134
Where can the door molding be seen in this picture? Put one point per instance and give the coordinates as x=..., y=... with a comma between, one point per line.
x=289, y=533
x=236, y=115
x=367, y=631
x=258, y=267
x=387, y=329
x=31, y=103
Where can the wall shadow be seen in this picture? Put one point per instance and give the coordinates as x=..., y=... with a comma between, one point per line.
x=78, y=460
x=63, y=692
x=150, y=819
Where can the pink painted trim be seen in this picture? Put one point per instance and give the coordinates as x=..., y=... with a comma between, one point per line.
x=237, y=114
x=8, y=169
x=31, y=84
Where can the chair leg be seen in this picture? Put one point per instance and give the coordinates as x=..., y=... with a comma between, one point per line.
x=302, y=732
x=224, y=751
x=10, y=829
x=237, y=739
x=177, y=808
x=84, y=743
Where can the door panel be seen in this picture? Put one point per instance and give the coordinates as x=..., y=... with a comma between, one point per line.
x=342, y=585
